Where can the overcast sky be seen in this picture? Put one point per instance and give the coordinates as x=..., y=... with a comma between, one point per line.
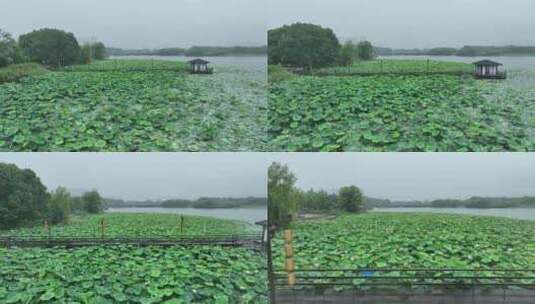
x=142, y=23
x=421, y=176
x=415, y=23
x=140, y=176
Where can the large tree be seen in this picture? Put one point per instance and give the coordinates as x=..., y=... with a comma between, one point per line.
x=348, y=53
x=99, y=51
x=8, y=48
x=365, y=50
x=350, y=199
x=50, y=47
x=92, y=202
x=303, y=45
x=59, y=206
x=282, y=195
x=23, y=198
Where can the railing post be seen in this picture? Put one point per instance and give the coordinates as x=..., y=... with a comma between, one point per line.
x=181, y=225
x=102, y=228
x=290, y=263
x=271, y=275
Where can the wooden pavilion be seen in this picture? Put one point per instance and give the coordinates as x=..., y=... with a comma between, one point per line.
x=200, y=66
x=488, y=69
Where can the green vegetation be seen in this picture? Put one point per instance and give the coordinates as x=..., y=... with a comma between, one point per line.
x=278, y=73
x=8, y=49
x=128, y=274
x=203, y=202
x=122, y=274
x=50, y=47
x=411, y=240
x=303, y=45
x=399, y=66
x=467, y=50
x=15, y=72
x=198, y=51
x=282, y=194
x=131, y=110
x=24, y=200
x=400, y=113
x=473, y=202
x=137, y=224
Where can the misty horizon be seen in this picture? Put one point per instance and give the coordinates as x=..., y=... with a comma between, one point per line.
x=416, y=176
x=411, y=24
x=137, y=24
x=149, y=176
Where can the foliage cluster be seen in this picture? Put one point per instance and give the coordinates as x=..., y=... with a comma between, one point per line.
x=24, y=200
x=303, y=45
x=163, y=110
x=123, y=274
x=399, y=113
x=411, y=240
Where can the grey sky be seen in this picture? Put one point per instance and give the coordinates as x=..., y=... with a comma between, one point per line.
x=141, y=23
x=419, y=176
x=140, y=176
x=415, y=23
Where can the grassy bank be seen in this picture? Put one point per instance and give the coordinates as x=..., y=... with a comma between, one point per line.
x=18, y=71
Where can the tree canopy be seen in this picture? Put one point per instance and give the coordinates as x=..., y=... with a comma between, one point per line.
x=282, y=194
x=350, y=199
x=8, y=48
x=92, y=202
x=365, y=50
x=50, y=47
x=303, y=45
x=23, y=198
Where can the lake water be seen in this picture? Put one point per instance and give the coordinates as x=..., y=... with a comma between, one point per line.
x=511, y=63
x=249, y=63
x=516, y=213
x=250, y=215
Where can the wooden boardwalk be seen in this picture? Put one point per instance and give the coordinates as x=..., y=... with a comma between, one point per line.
x=254, y=241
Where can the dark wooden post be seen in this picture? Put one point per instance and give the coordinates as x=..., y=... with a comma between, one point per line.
x=181, y=224
x=102, y=228
x=271, y=274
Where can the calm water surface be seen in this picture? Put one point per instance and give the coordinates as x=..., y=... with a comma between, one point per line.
x=249, y=63
x=511, y=63
x=516, y=213
x=250, y=215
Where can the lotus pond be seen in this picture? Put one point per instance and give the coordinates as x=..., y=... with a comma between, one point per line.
x=138, y=224
x=402, y=113
x=131, y=274
x=401, y=66
x=121, y=105
x=411, y=240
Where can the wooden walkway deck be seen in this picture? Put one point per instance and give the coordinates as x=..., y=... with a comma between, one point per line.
x=254, y=241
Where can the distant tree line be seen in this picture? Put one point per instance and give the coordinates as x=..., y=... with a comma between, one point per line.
x=473, y=202
x=203, y=202
x=24, y=200
x=467, y=51
x=311, y=46
x=285, y=200
x=199, y=51
x=49, y=47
